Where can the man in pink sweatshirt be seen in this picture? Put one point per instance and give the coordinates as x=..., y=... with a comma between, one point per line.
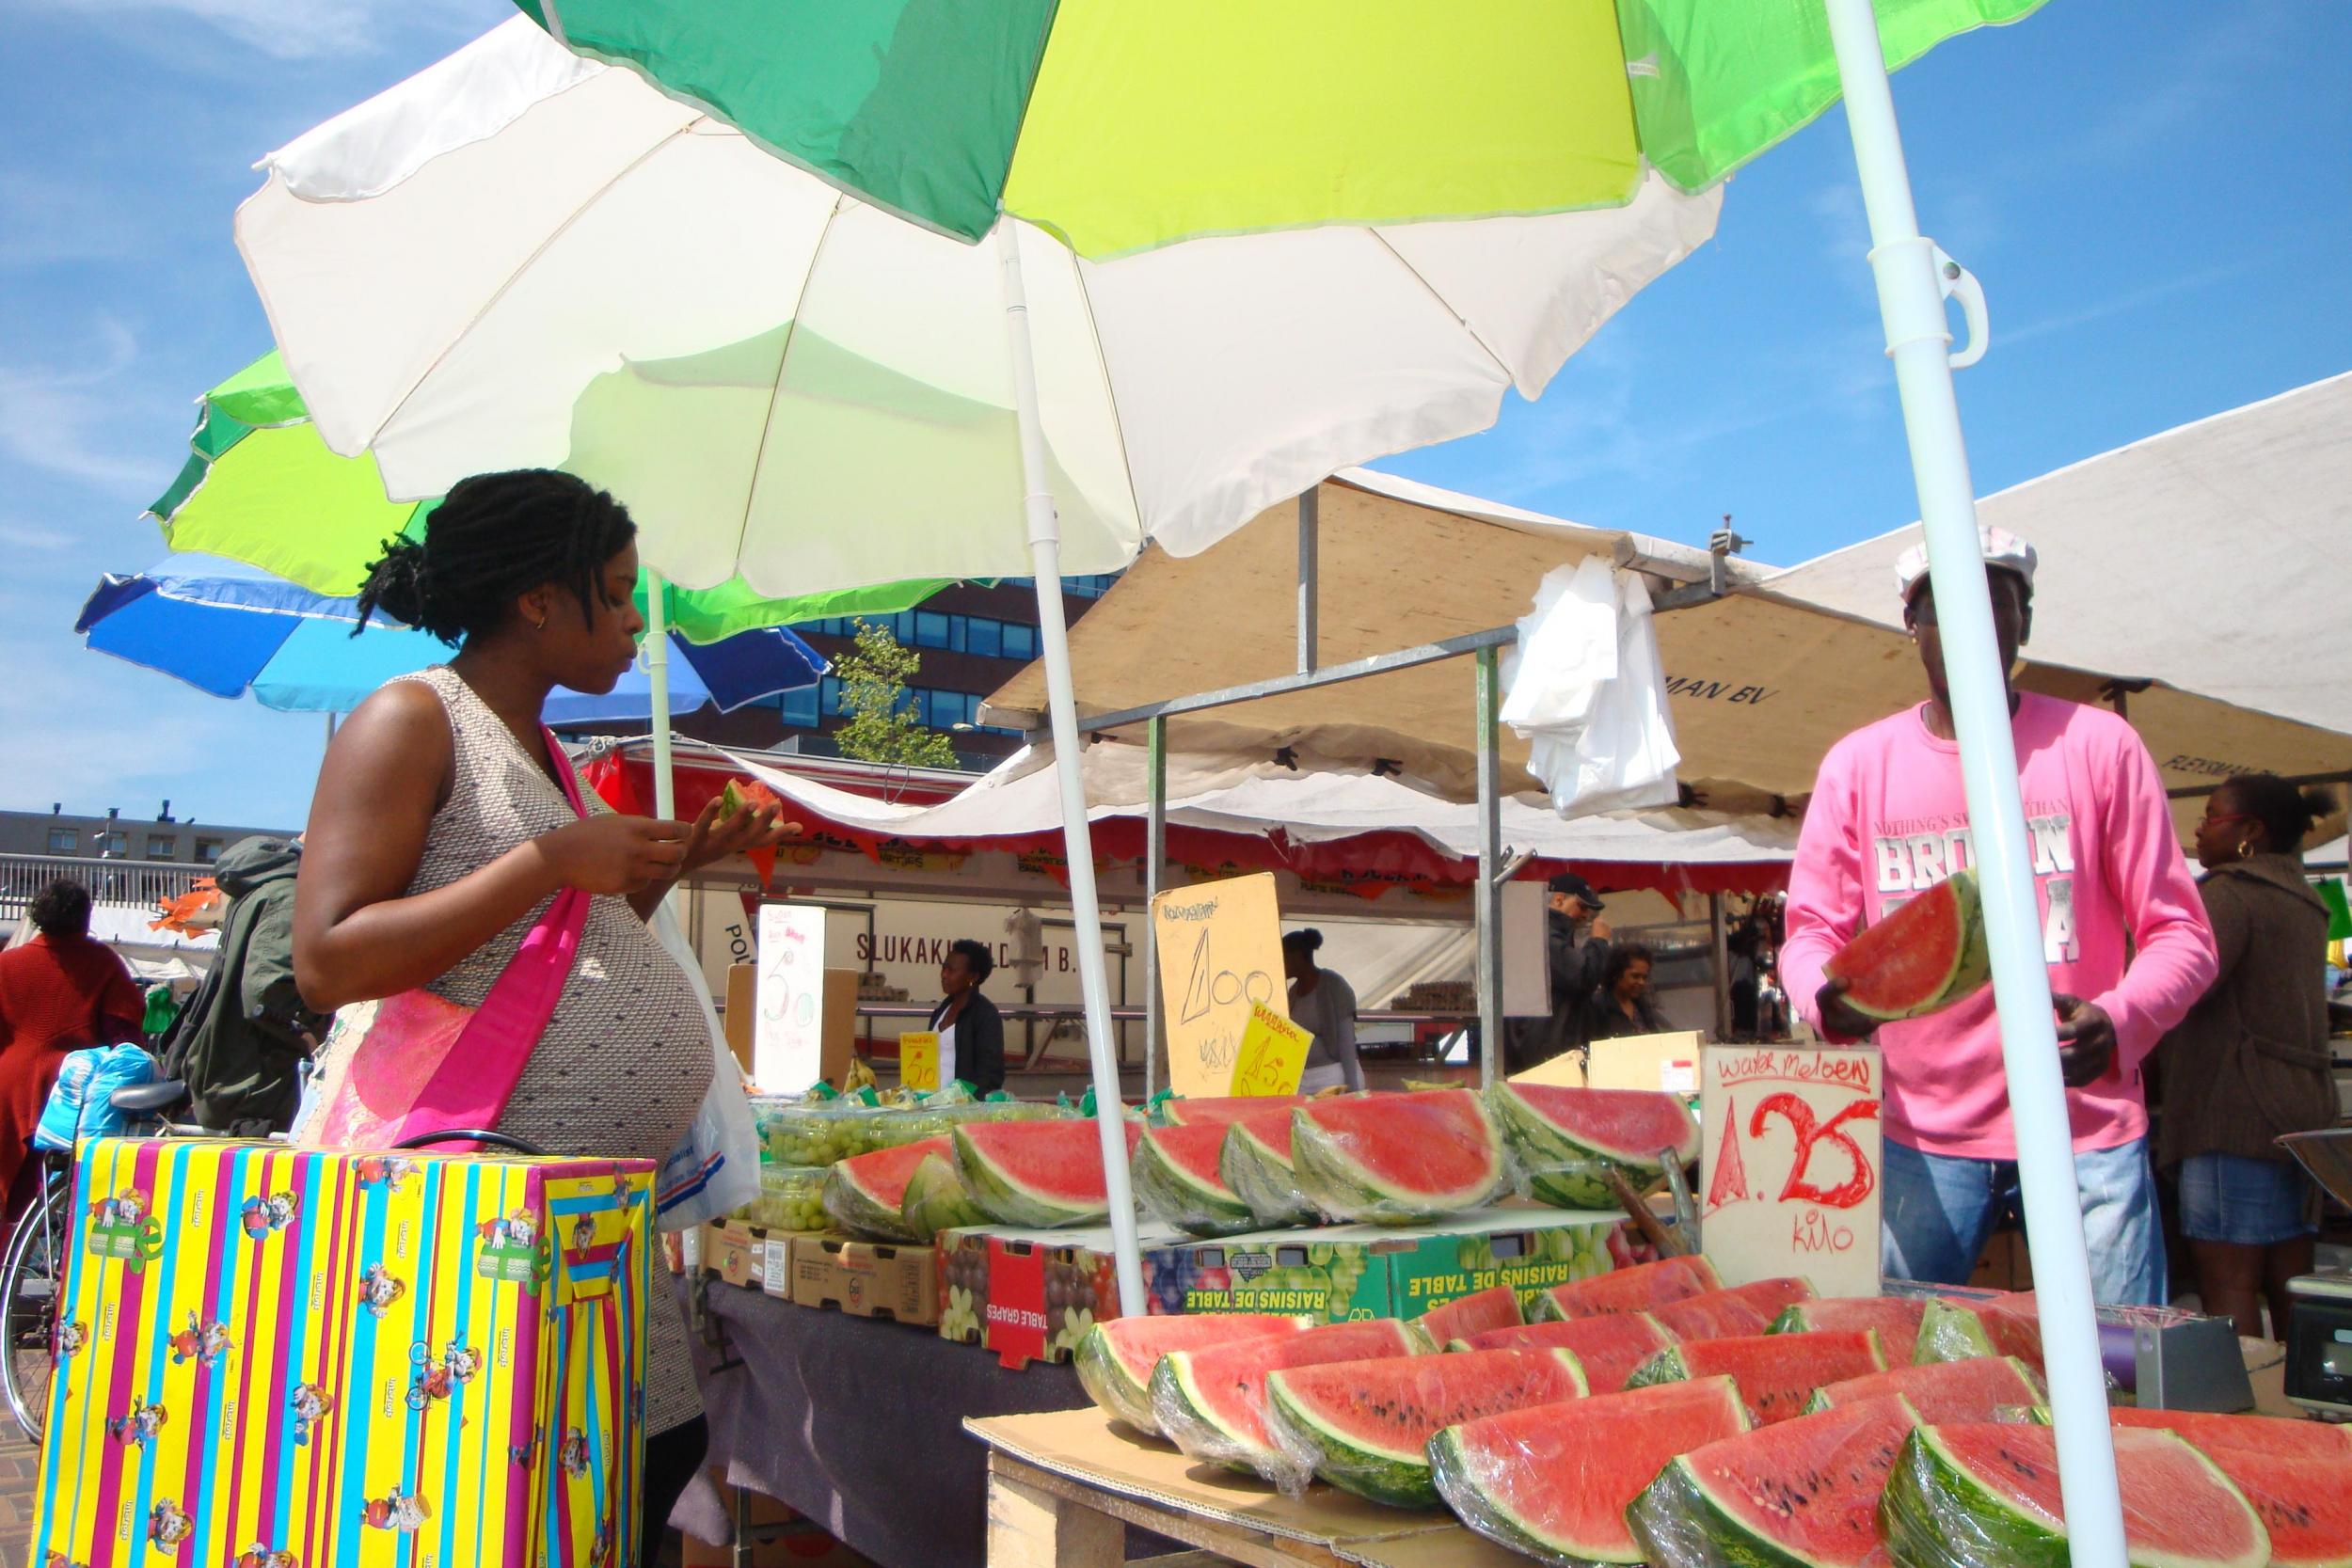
x=2124, y=931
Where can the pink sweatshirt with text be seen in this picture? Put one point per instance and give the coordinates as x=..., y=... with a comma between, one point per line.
x=1889, y=817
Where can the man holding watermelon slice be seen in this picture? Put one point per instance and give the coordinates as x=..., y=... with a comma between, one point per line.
x=2124, y=934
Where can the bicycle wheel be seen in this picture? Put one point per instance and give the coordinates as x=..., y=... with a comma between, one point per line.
x=32, y=1283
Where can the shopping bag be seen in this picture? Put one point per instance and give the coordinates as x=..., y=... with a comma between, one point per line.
x=416, y=1063
x=716, y=1170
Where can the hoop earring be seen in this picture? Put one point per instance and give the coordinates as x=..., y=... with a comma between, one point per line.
x=2244, y=849
x=540, y=625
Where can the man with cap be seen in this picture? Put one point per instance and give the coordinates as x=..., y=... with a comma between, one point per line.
x=2123, y=933
x=1578, y=950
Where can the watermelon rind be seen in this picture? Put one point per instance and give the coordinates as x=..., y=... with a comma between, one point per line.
x=1119, y=1392
x=1188, y=1419
x=1376, y=1473
x=855, y=1208
x=1263, y=1181
x=1570, y=1170
x=1955, y=1331
x=936, y=1200
x=1935, y=1513
x=1338, y=1185
x=1182, y=1198
x=1680, y=1521
x=1457, y=1473
x=1971, y=967
x=1003, y=1198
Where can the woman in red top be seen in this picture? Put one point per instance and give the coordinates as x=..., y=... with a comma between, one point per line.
x=58, y=992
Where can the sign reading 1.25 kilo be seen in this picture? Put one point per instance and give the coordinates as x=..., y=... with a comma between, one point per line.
x=1793, y=1165
x=1220, y=951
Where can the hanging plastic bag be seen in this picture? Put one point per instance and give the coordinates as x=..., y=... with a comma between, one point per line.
x=1588, y=690
x=716, y=1170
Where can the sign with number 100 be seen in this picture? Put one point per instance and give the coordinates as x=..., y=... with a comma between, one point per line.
x=1793, y=1159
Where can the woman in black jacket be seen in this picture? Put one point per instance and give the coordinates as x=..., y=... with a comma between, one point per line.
x=971, y=1031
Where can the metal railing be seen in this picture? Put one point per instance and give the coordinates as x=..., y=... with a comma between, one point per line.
x=140, y=884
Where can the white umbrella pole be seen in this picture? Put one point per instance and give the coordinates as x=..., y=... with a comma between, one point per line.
x=1911, y=304
x=1068, y=767
x=657, y=674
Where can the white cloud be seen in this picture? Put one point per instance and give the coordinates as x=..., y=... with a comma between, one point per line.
x=44, y=221
x=36, y=537
x=311, y=29
x=60, y=421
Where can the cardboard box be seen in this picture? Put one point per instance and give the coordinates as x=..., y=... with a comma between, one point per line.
x=839, y=1048
x=866, y=1279
x=450, y=1346
x=1030, y=1295
x=736, y=1253
x=2004, y=1265
x=741, y=1009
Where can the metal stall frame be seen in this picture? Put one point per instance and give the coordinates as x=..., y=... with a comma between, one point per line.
x=1485, y=649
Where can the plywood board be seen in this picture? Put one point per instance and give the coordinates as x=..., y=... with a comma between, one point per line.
x=1789, y=1181
x=1220, y=949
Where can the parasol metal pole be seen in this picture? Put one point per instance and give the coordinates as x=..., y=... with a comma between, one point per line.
x=1045, y=530
x=1719, y=938
x=1918, y=336
x=1154, y=875
x=1310, y=590
x=657, y=674
x=1488, y=905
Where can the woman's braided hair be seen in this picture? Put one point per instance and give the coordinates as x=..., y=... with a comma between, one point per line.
x=493, y=538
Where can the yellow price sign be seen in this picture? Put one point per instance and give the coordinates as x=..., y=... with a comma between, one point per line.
x=1273, y=1054
x=918, y=1059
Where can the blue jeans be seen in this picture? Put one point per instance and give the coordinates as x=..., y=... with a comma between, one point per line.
x=1940, y=1210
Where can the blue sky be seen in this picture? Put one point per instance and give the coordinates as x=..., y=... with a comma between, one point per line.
x=2157, y=195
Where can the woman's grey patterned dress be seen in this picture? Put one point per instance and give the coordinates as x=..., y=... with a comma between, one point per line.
x=626, y=1060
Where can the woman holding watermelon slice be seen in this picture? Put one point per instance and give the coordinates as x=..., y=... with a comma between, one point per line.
x=448, y=830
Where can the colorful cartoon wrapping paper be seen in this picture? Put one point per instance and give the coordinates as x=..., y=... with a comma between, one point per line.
x=277, y=1358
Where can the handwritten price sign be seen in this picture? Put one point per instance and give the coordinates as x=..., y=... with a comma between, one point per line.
x=1793, y=1165
x=1273, y=1054
x=918, y=1059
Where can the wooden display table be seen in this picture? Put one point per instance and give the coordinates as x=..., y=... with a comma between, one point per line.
x=1064, y=1485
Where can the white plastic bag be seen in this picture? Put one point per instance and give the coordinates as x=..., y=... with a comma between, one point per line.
x=1589, y=693
x=716, y=1170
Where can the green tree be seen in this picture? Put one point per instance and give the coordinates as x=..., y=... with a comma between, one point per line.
x=882, y=726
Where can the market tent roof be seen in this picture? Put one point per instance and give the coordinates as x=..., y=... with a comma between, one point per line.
x=2210, y=556
x=1761, y=683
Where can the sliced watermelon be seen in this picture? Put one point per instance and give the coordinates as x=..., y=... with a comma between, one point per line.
x=1567, y=1139
x=1921, y=958
x=1117, y=1357
x=1980, y=1389
x=1365, y=1426
x=1803, y=1492
x=1977, y=1493
x=750, y=794
x=1255, y=1163
x=1607, y=1348
x=2264, y=1434
x=1047, y=1174
x=1642, y=1288
x=865, y=1195
x=2001, y=1325
x=1397, y=1159
x=1176, y=1176
x=1478, y=1313
x=1896, y=1318
x=1212, y=1402
x=1721, y=1314
x=1553, y=1482
x=936, y=1199
x=2301, y=1501
x=1220, y=1110
x=1777, y=1372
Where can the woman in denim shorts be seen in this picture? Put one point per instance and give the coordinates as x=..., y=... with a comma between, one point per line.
x=2250, y=1061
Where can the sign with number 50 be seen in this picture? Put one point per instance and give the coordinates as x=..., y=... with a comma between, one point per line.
x=1791, y=1171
